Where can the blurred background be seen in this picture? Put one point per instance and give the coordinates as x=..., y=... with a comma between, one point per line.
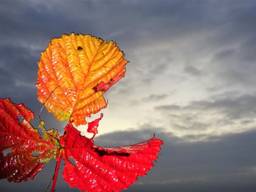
x=191, y=80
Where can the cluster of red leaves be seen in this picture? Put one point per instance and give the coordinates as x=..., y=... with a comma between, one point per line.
x=64, y=73
x=23, y=151
x=87, y=166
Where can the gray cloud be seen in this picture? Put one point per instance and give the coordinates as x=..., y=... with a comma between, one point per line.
x=168, y=44
x=34, y=23
x=155, y=97
x=220, y=115
x=234, y=107
x=192, y=71
x=225, y=163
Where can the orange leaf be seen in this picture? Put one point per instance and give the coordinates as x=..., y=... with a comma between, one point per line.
x=74, y=73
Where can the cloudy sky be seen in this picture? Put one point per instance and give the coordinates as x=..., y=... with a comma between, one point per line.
x=190, y=79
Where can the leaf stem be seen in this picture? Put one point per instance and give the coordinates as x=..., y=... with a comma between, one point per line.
x=56, y=171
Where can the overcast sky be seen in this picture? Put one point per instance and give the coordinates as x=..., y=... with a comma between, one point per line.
x=190, y=79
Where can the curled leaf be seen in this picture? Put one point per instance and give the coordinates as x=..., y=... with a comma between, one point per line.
x=22, y=151
x=74, y=72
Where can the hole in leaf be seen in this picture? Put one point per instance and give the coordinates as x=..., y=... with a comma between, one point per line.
x=102, y=152
x=79, y=48
x=40, y=132
x=72, y=161
x=20, y=119
x=15, y=172
x=35, y=153
x=6, y=151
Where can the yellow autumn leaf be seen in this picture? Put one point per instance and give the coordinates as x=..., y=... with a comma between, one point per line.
x=74, y=72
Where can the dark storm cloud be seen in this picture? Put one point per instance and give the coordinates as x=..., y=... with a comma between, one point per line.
x=225, y=163
x=34, y=23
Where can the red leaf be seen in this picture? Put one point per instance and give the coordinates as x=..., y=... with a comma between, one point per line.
x=95, y=169
x=22, y=150
x=102, y=86
x=93, y=126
